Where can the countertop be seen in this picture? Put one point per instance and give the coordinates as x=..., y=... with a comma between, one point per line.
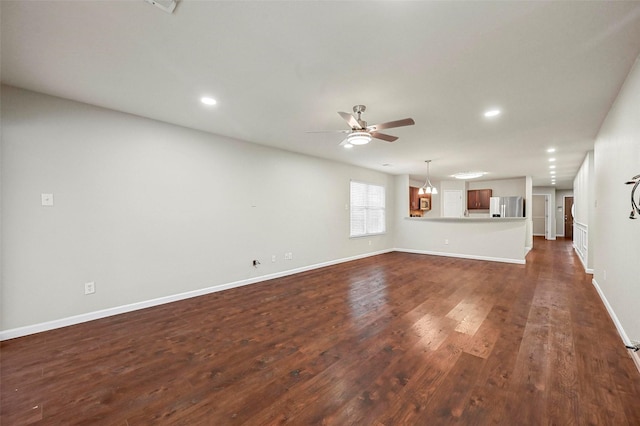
x=467, y=219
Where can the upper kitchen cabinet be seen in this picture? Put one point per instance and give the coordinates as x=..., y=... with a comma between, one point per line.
x=415, y=207
x=478, y=199
x=414, y=198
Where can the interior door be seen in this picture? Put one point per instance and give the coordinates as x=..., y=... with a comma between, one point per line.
x=539, y=208
x=568, y=217
x=452, y=203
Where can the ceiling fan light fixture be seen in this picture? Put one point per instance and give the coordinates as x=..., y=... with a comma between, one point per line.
x=359, y=138
x=468, y=175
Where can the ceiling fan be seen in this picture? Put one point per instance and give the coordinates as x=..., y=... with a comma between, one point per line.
x=361, y=133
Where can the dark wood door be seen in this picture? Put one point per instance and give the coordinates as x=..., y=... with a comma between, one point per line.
x=568, y=217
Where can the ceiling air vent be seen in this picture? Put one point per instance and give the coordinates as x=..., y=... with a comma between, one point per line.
x=166, y=5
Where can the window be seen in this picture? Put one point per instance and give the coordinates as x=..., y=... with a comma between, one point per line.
x=367, y=209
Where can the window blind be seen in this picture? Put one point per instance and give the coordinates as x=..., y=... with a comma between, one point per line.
x=367, y=209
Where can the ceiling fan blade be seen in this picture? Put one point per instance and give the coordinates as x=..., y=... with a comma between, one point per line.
x=328, y=131
x=392, y=124
x=350, y=119
x=383, y=136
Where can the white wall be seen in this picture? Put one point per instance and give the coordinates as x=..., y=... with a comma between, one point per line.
x=147, y=209
x=617, y=238
x=528, y=211
x=584, y=205
x=501, y=187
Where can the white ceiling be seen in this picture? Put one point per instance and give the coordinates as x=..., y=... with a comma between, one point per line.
x=279, y=69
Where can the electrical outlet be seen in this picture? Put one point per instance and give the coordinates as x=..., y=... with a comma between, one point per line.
x=46, y=199
x=446, y=242
x=288, y=256
x=273, y=257
x=89, y=288
x=369, y=242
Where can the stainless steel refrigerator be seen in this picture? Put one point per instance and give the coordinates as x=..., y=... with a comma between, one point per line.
x=506, y=207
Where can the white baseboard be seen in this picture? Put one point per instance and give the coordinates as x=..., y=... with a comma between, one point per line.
x=623, y=335
x=612, y=314
x=584, y=265
x=90, y=316
x=463, y=256
x=635, y=356
x=527, y=250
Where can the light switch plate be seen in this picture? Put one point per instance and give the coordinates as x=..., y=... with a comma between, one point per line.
x=47, y=199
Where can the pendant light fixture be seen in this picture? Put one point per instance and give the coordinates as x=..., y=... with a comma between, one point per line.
x=428, y=187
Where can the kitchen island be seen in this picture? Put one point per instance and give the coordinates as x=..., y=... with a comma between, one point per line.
x=482, y=238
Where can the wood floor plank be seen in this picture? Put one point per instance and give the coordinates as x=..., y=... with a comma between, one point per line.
x=391, y=339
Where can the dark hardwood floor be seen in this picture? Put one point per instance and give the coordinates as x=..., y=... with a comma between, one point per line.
x=395, y=339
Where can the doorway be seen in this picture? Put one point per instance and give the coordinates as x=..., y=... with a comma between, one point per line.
x=568, y=217
x=539, y=211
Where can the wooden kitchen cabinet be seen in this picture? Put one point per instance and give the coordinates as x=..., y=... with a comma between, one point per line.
x=478, y=199
x=414, y=198
x=418, y=204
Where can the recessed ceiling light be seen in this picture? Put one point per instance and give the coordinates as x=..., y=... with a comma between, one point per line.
x=553, y=183
x=208, y=101
x=468, y=175
x=348, y=145
x=551, y=160
x=553, y=166
x=492, y=113
x=553, y=172
x=551, y=150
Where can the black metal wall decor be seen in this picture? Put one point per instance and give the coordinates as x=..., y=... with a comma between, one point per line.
x=635, y=208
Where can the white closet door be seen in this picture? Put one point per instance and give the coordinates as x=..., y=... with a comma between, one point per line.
x=452, y=203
